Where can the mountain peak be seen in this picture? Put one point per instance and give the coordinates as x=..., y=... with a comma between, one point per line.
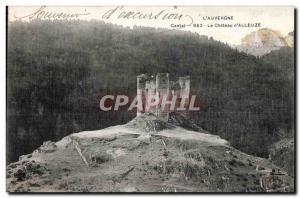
x=263, y=41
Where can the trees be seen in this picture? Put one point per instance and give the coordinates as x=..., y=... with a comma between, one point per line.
x=56, y=70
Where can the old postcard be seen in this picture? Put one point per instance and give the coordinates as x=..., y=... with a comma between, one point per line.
x=150, y=99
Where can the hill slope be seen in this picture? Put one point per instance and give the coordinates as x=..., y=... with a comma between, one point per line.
x=136, y=157
x=282, y=153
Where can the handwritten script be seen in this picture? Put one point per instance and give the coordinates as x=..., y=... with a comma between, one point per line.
x=119, y=12
x=41, y=13
x=175, y=18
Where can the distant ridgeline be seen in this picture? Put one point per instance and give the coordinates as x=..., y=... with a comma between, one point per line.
x=56, y=71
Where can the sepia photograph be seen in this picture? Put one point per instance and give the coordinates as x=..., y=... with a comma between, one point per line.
x=150, y=99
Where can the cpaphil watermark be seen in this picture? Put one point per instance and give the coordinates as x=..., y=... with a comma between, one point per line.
x=155, y=94
x=168, y=103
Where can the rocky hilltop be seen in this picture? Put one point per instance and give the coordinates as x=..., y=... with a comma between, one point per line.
x=144, y=155
x=263, y=41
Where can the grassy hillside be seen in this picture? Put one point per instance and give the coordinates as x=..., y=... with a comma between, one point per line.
x=132, y=158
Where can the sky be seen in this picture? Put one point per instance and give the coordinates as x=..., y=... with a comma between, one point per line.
x=201, y=19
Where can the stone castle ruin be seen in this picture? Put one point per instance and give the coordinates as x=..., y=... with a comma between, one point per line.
x=160, y=96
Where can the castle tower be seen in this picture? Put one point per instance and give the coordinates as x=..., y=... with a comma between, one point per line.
x=175, y=87
x=141, y=93
x=184, y=83
x=150, y=94
x=162, y=90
